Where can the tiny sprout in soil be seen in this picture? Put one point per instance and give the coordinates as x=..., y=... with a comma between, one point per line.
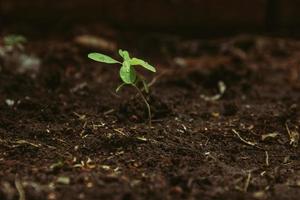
x=127, y=73
x=14, y=41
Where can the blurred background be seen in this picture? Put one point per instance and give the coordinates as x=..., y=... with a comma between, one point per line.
x=205, y=17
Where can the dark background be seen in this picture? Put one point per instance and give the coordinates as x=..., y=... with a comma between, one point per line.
x=182, y=16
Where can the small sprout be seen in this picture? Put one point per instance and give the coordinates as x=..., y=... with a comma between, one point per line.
x=294, y=136
x=127, y=72
x=10, y=44
x=14, y=41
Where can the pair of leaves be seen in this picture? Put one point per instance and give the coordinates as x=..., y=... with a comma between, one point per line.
x=127, y=72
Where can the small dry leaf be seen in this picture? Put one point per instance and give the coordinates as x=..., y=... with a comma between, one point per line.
x=20, y=142
x=260, y=195
x=105, y=167
x=51, y=196
x=215, y=114
x=57, y=165
x=63, y=180
x=142, y=139
x=286, y=159
x=96, y=42
x=269, y=135
x=90, y=164
x=176, y=190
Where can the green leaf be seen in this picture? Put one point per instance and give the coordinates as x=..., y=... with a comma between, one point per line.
x=136, y=61
x=124, y=54
x=102, y=58
x=128, y=74
x=12, y=40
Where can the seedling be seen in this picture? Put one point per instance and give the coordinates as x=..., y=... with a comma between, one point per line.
x=14, y=41
x=128, y=74
x=11, y=44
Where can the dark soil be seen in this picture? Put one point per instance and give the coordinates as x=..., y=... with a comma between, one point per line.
x=69, y=136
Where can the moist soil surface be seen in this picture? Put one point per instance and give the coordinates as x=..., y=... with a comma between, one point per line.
x=66, y=134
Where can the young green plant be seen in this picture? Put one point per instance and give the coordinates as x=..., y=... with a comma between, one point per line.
x=128, y=74
x=14, y=41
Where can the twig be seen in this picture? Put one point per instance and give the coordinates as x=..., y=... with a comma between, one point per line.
x=267, y=159
x=20, y=142
x=121, y=132
x=109, y=112
x=20, y=189
x=153, y=81
x=243, y=140
x=80, y=117
x=247, y=182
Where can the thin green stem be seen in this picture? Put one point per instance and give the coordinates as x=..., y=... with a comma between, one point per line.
x=146, y=102
x=120, y=86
